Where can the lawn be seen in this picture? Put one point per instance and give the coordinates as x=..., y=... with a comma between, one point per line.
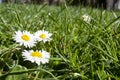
x=79, y=49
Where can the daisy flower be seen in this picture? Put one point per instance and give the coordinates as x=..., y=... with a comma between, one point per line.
x=24, y=38
x=86, y=18
x=42, y=35
x=36, y=56
x=76, y=74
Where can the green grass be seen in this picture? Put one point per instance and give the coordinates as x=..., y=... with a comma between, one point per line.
x=90, y=49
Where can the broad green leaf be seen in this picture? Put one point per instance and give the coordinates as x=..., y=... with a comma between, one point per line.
x=17, y=76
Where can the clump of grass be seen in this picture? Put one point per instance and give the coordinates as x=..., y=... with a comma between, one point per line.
x=79, y=50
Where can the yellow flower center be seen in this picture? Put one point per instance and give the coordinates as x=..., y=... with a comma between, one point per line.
x=42, y=36
x=25, y=37
x=36, y=54
x=84, y=17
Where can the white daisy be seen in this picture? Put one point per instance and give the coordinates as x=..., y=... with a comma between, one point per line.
x=42, y=35
x=36, y=56
x=86, y=18
x=24, y=38
x=76, y=74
